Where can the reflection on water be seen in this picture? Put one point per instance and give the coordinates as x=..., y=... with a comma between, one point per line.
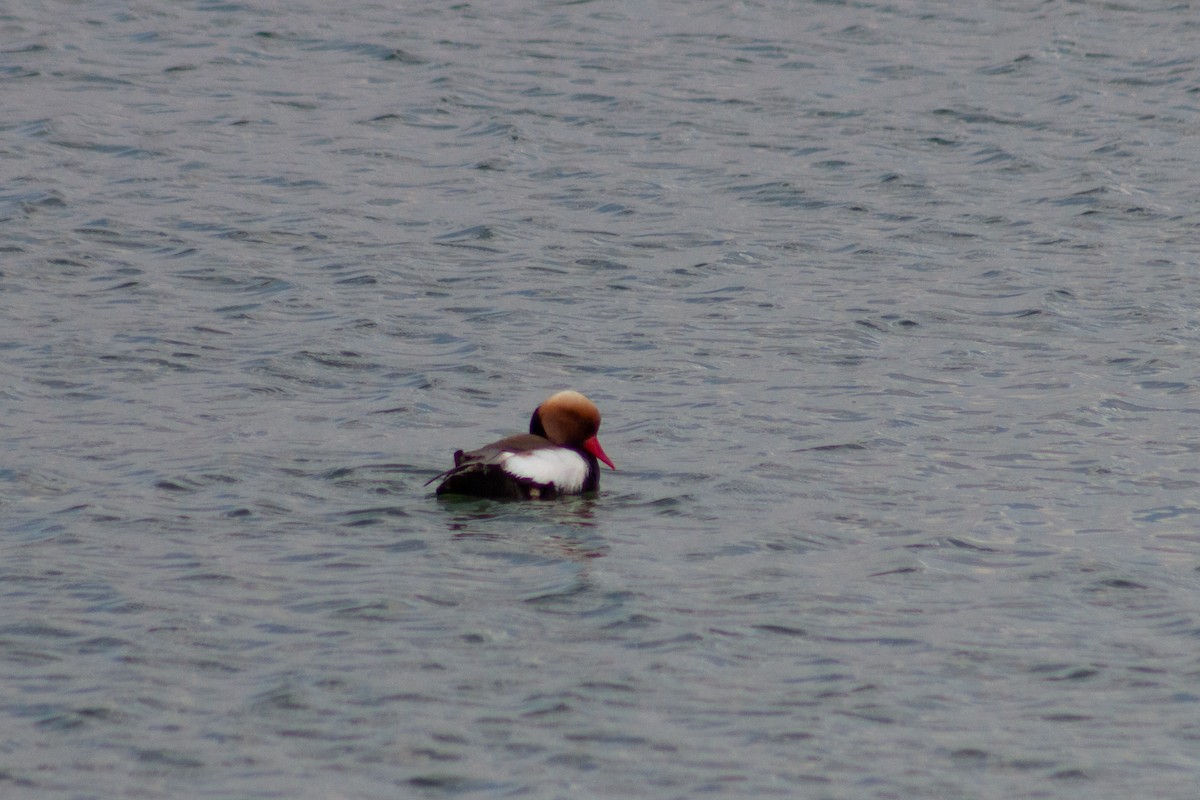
x=564, y=527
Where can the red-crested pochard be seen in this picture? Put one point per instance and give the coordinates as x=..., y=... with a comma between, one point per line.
x=557, y=456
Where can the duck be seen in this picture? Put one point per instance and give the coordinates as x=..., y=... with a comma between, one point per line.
x=559, y=456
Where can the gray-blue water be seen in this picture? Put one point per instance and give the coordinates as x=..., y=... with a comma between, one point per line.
x=891, y=310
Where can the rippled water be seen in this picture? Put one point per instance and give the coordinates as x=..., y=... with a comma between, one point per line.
x=891, y=310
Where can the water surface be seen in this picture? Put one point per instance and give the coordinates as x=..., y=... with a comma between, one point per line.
x=890, y=309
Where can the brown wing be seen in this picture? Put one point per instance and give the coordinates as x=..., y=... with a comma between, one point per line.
x=491, y=454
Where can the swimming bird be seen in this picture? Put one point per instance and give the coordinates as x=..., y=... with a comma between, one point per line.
x=557, y=457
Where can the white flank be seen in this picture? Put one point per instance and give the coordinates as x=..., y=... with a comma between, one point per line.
x=564, y=468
